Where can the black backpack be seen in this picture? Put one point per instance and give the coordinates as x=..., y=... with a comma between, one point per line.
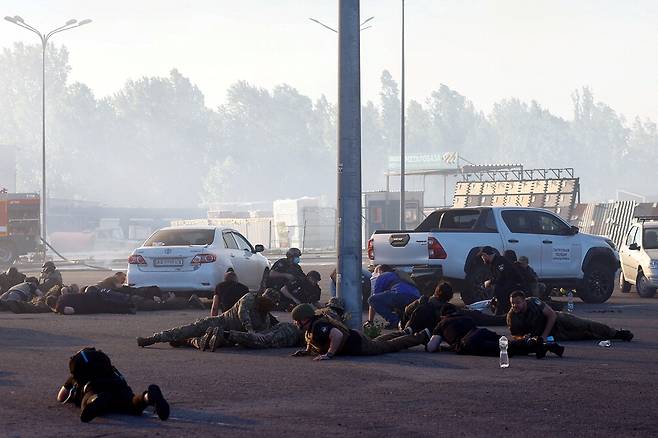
x=88, y=364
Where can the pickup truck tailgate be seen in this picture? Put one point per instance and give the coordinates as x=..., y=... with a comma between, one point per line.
x=408, y=246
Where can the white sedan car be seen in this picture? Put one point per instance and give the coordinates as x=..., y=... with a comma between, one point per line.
x=195, y=258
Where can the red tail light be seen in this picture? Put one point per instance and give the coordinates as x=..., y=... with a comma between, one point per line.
x=136, y=260
x=435, y=250
x=203, y=258
x=371, y=249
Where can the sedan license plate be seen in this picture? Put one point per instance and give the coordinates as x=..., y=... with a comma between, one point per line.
x=168, y=261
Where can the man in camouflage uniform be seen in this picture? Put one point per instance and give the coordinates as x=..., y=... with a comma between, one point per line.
x=283, y=334
x=250, y=314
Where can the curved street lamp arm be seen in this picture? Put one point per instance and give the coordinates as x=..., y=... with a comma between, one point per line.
x=60, y=29
x=367, y=20
x=28, y=27
x=323, y=25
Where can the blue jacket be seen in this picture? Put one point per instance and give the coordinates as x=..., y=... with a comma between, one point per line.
x=391, y=282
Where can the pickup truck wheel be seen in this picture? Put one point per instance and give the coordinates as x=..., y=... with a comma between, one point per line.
x=473, y=290
x=7, y=253
x=624, y=285
x=643, y=288
x=598, y=283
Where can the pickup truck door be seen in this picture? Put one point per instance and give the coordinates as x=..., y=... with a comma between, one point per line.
x=519, y=234
x=561, y=250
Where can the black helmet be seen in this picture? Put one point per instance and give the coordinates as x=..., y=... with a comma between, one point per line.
x=294, y=252
x=302, y=312
x=48, y=266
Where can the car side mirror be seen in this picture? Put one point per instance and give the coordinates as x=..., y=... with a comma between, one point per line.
x=259, y=248
x=574, y=230
x=634, y=247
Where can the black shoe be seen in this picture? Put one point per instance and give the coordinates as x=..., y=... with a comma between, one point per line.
x=624, y=335
x=555, y=348
x=95, y=406
x=426, y=334
x=145, y=342
x=158, y=401
x=540, y=351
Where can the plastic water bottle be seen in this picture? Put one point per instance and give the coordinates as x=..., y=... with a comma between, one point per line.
x=504, y=358
x=570, y=302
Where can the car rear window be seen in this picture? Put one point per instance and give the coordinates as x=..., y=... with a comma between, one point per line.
x=459, y=220
x=184, y=237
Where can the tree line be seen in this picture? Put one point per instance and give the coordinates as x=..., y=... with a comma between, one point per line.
x=156, y=143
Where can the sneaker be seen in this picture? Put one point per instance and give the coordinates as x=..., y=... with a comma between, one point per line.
x=408, y=330
x=195, y=302
x=158, y=401
x=624, y=335
x=95, y=406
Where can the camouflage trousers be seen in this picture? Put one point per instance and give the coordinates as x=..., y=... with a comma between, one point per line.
x=194, y=330
x=388, y=343
x=282, y=335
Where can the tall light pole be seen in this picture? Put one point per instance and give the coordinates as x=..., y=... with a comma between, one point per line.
x=70, y=24
x=403, y=224
x=349, y=240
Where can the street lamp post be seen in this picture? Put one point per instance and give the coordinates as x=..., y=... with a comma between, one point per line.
x=349, y=239
x=70, y=24
x=402, y=134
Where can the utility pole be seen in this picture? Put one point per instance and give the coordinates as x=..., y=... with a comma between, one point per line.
x=403, y=224
x=349, y=240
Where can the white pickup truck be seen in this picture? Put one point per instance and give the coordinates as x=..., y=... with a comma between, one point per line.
x=446, y=244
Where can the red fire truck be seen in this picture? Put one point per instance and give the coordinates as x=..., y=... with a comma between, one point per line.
x=19, y=225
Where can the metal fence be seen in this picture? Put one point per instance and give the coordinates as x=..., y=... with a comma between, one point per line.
x=611, y=219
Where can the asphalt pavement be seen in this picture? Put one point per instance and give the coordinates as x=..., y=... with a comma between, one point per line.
x=592, y=391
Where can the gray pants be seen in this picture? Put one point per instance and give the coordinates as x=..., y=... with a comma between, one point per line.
x=571, y=328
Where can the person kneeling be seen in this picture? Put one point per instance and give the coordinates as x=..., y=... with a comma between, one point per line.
x=99, y=388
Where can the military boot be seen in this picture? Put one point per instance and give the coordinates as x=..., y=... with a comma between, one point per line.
x=150, y=340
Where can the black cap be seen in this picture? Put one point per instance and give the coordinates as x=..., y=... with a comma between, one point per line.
x=294, y=252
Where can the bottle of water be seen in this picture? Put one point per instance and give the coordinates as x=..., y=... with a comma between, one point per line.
x=504, y=358
x=570, y=302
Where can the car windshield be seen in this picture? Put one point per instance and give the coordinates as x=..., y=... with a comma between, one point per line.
x=650, y=238
x=185, y=237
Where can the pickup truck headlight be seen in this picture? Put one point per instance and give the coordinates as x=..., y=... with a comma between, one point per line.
x=653, y=264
